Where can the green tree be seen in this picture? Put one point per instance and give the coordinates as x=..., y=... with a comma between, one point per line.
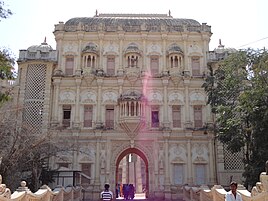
x=7, y=59
x=7, y=73
x=238, y=94
x=7, y=62
x=4, y=13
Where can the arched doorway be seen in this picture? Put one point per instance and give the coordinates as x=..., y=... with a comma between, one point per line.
x=134, y=151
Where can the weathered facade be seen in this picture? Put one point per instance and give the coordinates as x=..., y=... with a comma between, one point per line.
x=122, y=84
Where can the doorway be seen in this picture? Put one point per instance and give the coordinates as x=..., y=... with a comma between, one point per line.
x=132, y=173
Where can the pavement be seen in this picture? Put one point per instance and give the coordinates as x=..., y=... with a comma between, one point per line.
x=138, y=196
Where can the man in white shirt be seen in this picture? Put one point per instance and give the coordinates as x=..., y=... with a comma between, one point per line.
x=106, y=195
x=233, y=195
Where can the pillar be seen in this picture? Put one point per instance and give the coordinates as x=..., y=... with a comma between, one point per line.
x=167, y=178
x=189, y=163
x=77, y=109
x=55, y=117
x=211, y=162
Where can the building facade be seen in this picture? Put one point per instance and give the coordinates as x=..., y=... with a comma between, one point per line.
x=125, y=86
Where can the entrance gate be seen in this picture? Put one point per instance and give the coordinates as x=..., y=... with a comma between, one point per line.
x=143, y=157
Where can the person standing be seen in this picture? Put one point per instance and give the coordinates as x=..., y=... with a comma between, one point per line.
x=106, y=195
x=233, y=195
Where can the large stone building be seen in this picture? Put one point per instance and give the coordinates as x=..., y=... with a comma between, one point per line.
x=127, y=86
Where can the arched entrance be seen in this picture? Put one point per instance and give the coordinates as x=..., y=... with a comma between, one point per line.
x=145, y=160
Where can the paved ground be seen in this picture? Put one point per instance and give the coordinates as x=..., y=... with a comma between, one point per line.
x=138, y=196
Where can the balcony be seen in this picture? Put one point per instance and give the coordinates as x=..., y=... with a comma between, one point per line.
x=132, y=113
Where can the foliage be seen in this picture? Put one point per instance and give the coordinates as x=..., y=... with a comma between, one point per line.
x=7, y=62
x=238, y=94
x=7, y=73
x=24, y=153
x=4, y=13
x=7, y=59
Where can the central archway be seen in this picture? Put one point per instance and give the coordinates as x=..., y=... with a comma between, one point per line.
x=145, y=160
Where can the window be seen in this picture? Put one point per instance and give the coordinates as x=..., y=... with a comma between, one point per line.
x=176, y=61
x=200, y=174
x=69, y=65
x=44, y=54
x=86, y=170
x=110, y=66
x=154, y=65
x=195, y=66
x=66, y=115
x=90, y=61
x=198, y=116
x=109, y=117
x=88, y=115
x=178, y=174
x=31, y=54
x=64, y=165
x=132, y=61
x=155, y=117
x=176, y=116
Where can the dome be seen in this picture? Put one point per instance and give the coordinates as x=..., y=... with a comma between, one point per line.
x=91, y=47
x=132, y=95
x=175, y=49
x=132, y=48
x=44, y=47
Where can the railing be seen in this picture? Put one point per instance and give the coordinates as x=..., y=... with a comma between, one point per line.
x=217, y=192
x=23, y=193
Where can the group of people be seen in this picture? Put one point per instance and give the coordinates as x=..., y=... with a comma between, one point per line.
x=128, y=192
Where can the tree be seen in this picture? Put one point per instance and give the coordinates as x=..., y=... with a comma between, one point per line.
x=238, y=94
x=7, y=62
x=24, y=154
x=7, y=59
x=4, y=13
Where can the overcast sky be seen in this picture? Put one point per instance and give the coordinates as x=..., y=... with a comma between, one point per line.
x=238, y=23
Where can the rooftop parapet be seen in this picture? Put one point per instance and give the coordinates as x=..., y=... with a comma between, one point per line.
x=132, y=22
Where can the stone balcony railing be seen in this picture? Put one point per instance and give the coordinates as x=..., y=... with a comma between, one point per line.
x=217, y=192
x=23, y=193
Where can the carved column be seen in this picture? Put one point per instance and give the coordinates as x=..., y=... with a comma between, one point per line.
x=59, y=38
x=121, y=55
x=97, y=165
x=101, y=36
x=189, y=163
x=144, y=37
x=79, y=66
x=167, y=174
x=99, y=99
x=188, y=123
x=77, y=99
x=55, y=117
x=166, y=122
x=211, y=162
x=186, y=56
x=164, y=38
x=108, y=158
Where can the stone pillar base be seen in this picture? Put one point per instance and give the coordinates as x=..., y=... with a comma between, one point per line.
x=264, y=181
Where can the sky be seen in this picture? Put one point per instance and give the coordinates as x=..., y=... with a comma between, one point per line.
x=238, y=23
